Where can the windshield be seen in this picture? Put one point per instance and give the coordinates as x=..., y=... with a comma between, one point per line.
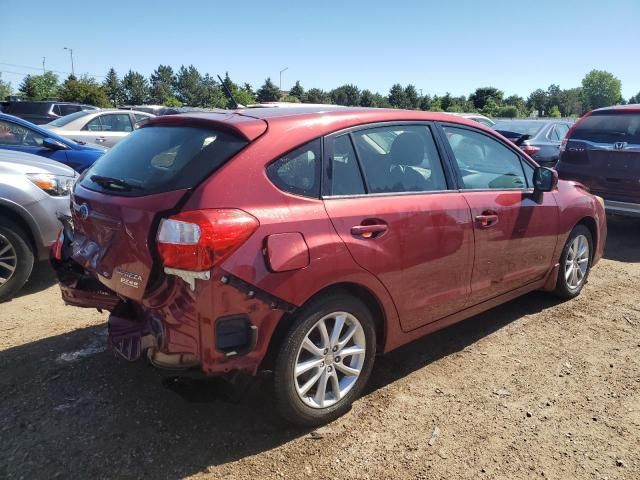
x=62, y=121
x=522, y=128
x=160, y=159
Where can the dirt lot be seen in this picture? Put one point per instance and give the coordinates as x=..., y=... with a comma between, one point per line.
x=532, y=389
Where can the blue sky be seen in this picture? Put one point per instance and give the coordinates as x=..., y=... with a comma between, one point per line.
x=438, y=46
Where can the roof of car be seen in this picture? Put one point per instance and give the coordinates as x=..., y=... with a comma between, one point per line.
x=48, y=101
x=533, y=120
x=250, y=123
x=631, y=106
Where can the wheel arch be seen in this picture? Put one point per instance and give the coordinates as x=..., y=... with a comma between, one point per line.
x=592, y=226
x=364, y=294
x=6, y=211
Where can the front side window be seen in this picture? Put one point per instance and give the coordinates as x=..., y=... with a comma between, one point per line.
x=116, y=122
x=484, y=163
x=400, y=158
x=94, y=125
x=139, y=117
x=14, y=134
x=298, y=172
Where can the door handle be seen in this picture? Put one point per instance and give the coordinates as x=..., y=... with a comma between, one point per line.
x=487, y=219
x=369, y=231
x=101, y=139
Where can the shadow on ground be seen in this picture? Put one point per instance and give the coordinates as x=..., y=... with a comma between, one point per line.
x=100, y=417
x=42, y=277
x=623, y=241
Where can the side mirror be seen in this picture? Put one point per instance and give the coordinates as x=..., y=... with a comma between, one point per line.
x=544, y=179
x=53, y=144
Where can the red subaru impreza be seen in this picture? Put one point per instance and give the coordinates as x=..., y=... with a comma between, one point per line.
x=304, y=241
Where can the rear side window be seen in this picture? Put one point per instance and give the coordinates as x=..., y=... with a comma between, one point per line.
x=160, y=159
x=61, y=122
x=609, y=128
x=558, y=132
x=63, y=109
x=298, y=172
x=344, y=172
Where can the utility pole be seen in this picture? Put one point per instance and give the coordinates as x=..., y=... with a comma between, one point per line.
x=420, y=91
x=44, y=70
x=281, y=71
x=71, y=54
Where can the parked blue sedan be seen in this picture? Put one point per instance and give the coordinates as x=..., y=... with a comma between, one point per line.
x=18, y=134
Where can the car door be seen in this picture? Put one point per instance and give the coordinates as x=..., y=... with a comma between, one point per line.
x=108, y=129
x=21, y=138
x=387, y=194
x=515, y=229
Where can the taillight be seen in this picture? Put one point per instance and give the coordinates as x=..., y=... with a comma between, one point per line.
x=529, y=149
x=563, y=145
x=199, y=239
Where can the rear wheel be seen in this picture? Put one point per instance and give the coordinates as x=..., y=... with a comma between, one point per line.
x=575, y=263
x=325, y=361
x=16, y=259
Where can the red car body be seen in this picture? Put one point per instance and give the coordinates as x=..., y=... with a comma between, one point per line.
x=438, y=258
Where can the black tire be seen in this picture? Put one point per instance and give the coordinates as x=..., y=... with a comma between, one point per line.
x=17, y=238
x=288, y=402
x=563, y=289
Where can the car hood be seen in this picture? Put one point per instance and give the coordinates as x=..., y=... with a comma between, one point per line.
x=20, y=162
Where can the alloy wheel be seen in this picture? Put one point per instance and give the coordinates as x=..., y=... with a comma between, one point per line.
x=577, y=262
x=8, y=260
x=330, y=360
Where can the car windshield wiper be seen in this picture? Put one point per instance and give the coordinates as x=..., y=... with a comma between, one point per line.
x=114, y=183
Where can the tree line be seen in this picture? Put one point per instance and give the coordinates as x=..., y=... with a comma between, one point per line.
x=189, y=87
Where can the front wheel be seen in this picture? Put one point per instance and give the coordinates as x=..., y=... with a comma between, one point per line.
x=16, y=259
x=325, y=361
x=575, y=263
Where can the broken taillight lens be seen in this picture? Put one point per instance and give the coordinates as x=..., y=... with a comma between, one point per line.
x=199, y=239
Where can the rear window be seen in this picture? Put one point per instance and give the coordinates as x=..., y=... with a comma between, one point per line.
x=61, y=122
x=522, y=128
x=160, y=159
x=609, y=128
x=27, y=108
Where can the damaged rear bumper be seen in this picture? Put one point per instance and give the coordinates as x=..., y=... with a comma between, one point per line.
x=223, y=325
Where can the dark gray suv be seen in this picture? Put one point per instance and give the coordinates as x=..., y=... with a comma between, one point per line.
x=43, y=111
x=602, y=151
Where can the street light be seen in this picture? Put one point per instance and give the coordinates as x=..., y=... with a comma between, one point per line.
x=71, y=53
x=281, y=71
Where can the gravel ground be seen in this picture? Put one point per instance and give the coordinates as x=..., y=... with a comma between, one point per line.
x=535, y=388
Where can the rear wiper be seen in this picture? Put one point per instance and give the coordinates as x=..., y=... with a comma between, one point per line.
x=113, y=183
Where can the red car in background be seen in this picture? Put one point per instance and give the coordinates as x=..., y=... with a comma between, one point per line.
x=305, y=241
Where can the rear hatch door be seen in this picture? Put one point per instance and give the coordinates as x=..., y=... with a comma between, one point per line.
x=607, y=143
x=118, y=203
